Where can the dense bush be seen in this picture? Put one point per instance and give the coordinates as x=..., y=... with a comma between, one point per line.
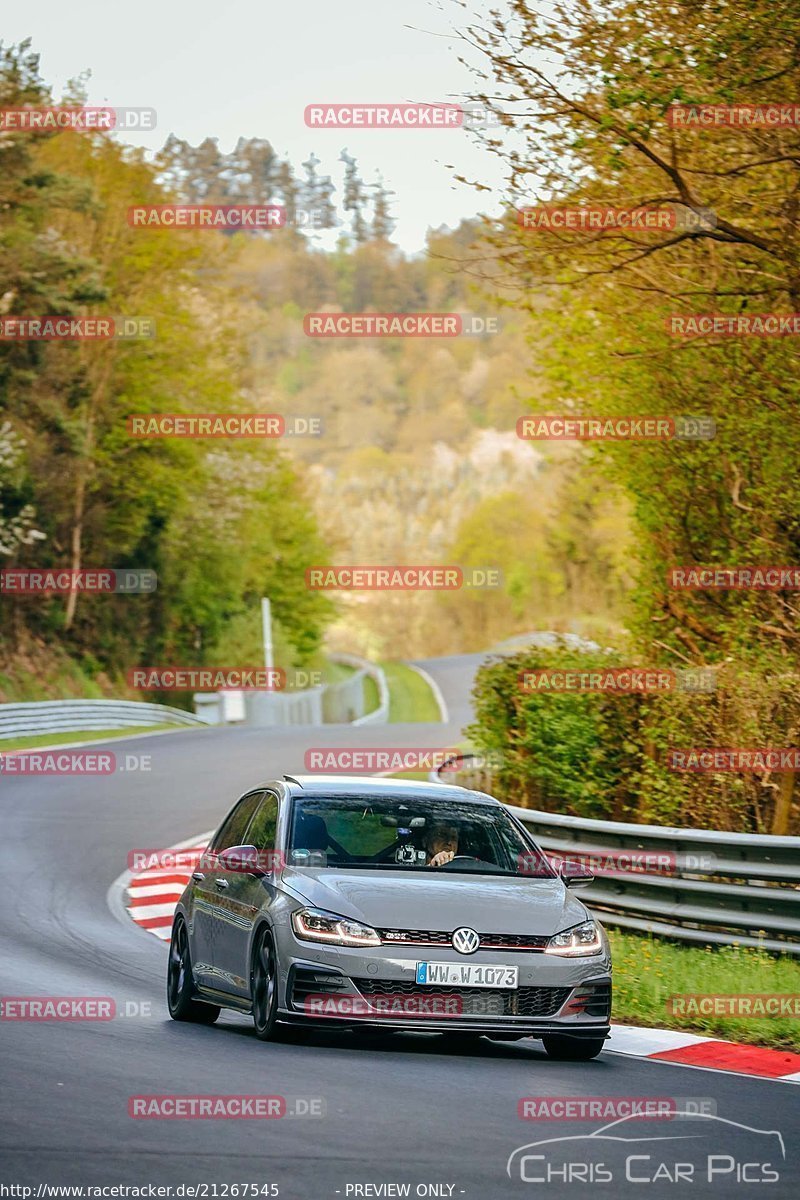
x=605, y=754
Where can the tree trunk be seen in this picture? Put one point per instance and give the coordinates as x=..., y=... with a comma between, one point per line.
x=783, y=807
x=77, y=544
x=85, y=467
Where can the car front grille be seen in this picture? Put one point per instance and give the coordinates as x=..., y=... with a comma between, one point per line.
x=308, y=982
x=440, y=937
x=491, y=1002
x=594, y=1000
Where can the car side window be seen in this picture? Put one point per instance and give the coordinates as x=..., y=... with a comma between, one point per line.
x=232, y=831
x=261, y=832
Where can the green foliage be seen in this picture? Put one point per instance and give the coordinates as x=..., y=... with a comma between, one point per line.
x=221, y=523
x=610, y=71
x=410, y=695
x=648, y=971
x=81, y=737
x=575, y=752
x=607, y=755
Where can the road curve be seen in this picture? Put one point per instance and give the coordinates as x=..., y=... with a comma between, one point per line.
x=398, y=1110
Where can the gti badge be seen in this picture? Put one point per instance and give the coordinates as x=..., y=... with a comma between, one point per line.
x=465, y=941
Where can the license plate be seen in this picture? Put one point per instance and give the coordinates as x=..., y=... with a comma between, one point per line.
x=476, y=975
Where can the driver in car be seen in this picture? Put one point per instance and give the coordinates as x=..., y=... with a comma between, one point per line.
x=441, y=844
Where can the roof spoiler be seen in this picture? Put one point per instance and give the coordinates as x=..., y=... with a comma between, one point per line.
x=291, y=779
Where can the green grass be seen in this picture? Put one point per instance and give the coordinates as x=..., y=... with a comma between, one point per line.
x=371, y=695
x=53, y=677
x=81, y=735
x=410, y=697
x=336, y=672
x=647, y=971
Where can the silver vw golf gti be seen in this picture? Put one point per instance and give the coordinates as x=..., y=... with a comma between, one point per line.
x=326, y=901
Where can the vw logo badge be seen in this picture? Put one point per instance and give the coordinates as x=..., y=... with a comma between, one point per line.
x=465, y=941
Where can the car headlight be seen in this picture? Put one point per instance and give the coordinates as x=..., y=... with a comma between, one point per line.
x=316, y=925
x=572, y=943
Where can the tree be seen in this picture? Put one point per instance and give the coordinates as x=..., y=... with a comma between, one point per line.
x=382, y=223
x=595, y=129
x=354, y=197
x=318, y=193
x=75, y=488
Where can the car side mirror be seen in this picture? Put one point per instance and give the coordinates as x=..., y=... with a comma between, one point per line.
x=574, y=874
x=247, y=860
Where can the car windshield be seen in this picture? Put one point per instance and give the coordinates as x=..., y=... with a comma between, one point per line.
x=407, y=833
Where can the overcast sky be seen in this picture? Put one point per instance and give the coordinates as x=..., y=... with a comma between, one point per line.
x=250, y=67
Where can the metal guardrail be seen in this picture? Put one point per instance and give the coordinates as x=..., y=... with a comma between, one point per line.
x=330, y=704
x=363, y=669
x=283, y=708
x=704, y=886
x=342, y=702
x=59, y=716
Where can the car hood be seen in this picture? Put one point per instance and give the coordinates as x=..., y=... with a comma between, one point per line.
x=421, y=900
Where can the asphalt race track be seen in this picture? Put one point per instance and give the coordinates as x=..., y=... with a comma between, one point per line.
x=398, y=1109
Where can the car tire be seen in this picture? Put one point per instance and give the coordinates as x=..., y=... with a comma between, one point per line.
x=572, y=1049
x=264, y=987
x=180, y=981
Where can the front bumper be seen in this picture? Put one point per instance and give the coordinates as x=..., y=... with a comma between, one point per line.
x=376, y=987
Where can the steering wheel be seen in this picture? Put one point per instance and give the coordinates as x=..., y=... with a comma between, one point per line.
x=462, y=858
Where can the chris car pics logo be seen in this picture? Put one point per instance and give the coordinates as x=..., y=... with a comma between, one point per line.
x=699, y=1147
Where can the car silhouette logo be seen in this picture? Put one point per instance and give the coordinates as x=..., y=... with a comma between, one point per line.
x=614, y=1134
x=465, y=941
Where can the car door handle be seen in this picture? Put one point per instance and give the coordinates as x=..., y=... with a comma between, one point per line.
x=198, y=875
x=221, y=883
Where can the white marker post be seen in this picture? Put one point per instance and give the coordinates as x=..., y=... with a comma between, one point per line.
x=266, y=625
